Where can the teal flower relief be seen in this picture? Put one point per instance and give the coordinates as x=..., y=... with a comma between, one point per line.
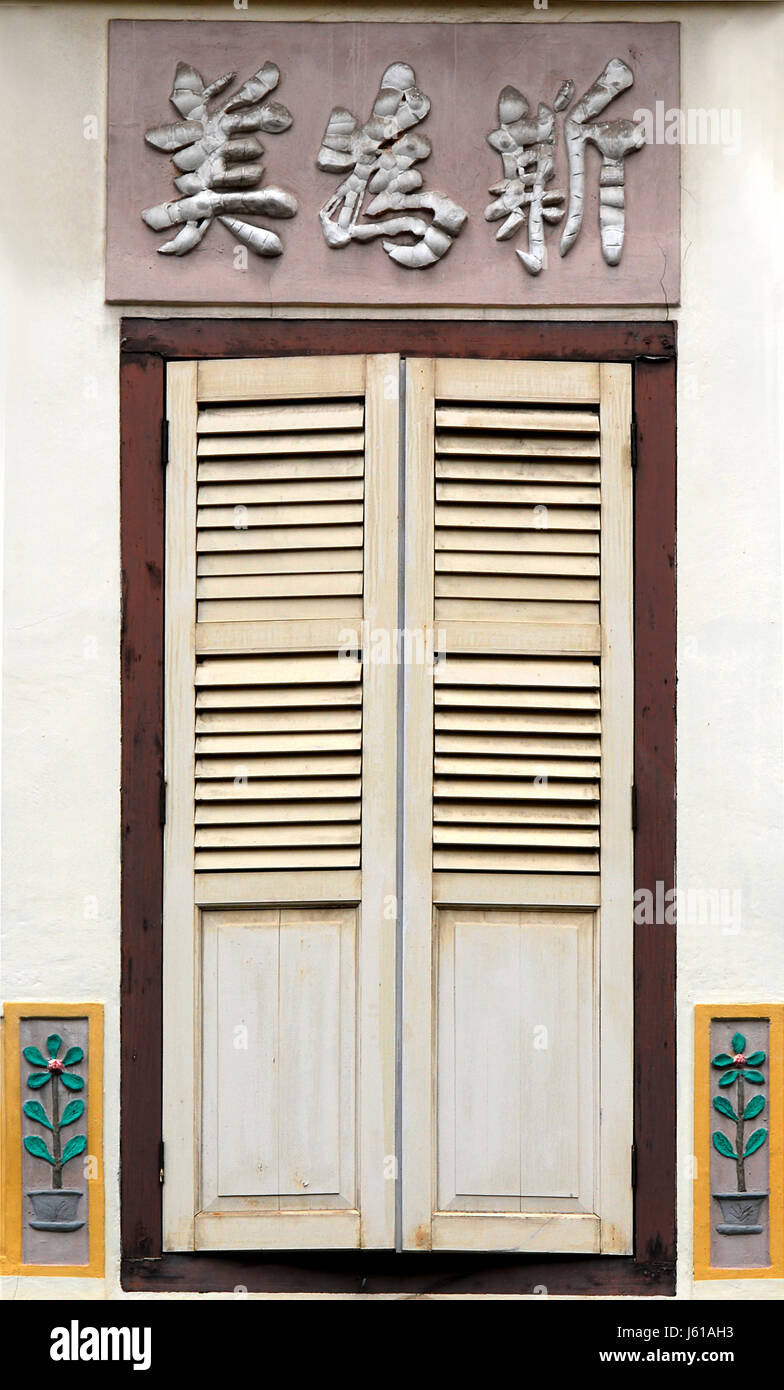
x=739, y=1067
x=53, y=1069
x=739, y=1063
x=52, y=1066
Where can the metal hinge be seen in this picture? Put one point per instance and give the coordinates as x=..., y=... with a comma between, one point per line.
x=162, y=803
x=161, y=1171
x=634, y=1165
x=633, y=443
x=164, y=442
x=634, y=805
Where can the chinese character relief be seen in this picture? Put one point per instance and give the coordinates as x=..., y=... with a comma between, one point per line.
x=380, y=156
x=215, y=149
x=614, y=140
x=527, y=148
x=218, y=155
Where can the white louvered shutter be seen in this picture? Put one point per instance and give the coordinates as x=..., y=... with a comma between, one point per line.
x=280, y=834
x=287, y=826
x=518, y=841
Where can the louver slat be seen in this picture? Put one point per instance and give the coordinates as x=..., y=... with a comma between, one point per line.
x=218, y=445
x=263, y=543
x=516, y=418
x=457, y=562
x=548, y=542
x=288, y=418
x=267, y=586
x=260, y=470
x=279, y=562
x=520, y=445
x=522, y=470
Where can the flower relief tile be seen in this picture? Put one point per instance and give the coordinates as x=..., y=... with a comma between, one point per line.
x=218, y=156
x=739, y=1068
x=380, y=156
x=55, y=1207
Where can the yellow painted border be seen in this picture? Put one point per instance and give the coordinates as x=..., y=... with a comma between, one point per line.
x=704, y=1014
x=11, y=1254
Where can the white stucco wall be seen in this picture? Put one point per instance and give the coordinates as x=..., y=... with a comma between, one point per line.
x=61, y=613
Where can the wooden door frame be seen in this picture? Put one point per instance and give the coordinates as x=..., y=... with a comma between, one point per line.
x=145, y=347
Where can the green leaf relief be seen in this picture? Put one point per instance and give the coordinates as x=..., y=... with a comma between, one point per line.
x=74, y=1111
x=722, y=1059
x=755, y=1059
x=35, y=1111
x=72, y=1056
x=728, y=1078
x=755, y=1105
x=36, y=1146
x=53, y=1044
x=723, y=1146
x=753, y=1075
x=78, y=1144
x=38, y=1078
x=754, y=1142
x=723, y=1106
x=34, y=1057
x=75, y=1083
x=738, y=1042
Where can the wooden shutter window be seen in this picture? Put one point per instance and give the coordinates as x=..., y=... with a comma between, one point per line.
x=286, y=825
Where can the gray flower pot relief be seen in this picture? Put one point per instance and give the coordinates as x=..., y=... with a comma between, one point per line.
x=740, y=1213
x=55, y=1209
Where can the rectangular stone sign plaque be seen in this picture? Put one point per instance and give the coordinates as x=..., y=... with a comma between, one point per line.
x=369, y=164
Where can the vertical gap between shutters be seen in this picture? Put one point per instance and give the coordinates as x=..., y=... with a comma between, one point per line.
x=400, y=866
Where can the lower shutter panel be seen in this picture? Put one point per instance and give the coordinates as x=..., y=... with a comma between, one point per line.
x=520, y=898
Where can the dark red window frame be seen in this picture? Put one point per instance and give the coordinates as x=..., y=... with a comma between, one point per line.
x=146, y=345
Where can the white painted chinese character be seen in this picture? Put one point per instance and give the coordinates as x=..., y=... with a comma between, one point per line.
x=381, y=155
x=527, y=148
x=217, y=154
x=526, y=145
